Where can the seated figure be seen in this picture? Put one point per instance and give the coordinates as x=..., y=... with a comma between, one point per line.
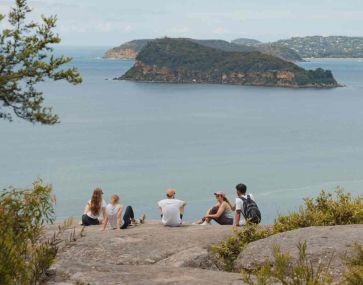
x=171, y=209
x=222, y=212
x=113, y=214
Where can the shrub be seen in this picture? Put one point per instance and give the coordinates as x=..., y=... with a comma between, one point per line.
x=285, y=272
x=24, y=257
x=325, y=210
x=354, y=274
x=227, y=251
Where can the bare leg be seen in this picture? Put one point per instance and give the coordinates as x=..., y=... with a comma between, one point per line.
x=212, y=211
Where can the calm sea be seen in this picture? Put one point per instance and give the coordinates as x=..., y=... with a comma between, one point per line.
x=137, y=139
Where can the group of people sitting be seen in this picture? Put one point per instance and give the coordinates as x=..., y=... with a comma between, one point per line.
x=172, y=210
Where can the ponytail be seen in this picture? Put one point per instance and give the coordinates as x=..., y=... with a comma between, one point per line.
x=226, y=200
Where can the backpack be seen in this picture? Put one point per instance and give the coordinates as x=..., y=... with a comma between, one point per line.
x=250, y=210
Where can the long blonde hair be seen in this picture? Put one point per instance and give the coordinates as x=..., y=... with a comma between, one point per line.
x=226, y=200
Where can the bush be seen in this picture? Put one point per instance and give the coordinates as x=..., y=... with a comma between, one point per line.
x=325, y=210
x=24, y=257
x=226, y=252
x=287, y=273
x=354, y=274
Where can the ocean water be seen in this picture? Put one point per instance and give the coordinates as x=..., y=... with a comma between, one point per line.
x=137, y=139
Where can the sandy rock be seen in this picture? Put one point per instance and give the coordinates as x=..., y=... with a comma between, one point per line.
x=323, y=243
x=145, y=254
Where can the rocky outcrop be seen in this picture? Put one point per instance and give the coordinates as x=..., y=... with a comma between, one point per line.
x=127, y=53
x=145, y=254
x=162, y=74
x=324, y=244
x=154, y=254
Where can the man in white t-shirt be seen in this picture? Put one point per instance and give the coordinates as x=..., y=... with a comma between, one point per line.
x=171, y=209
x=241, y=193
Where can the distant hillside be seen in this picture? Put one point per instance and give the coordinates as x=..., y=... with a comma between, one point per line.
x=185, y=61
x=129, y=50
x=246, y=42
x=317, y=46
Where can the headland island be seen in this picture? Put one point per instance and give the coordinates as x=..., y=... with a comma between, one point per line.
x=180, y=60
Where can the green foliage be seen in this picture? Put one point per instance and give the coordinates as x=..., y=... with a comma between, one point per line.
x=26, y=58
x=325, y=210
x=354, y=274
x=317, y=76
x=284, y=271
x=227, y=251
x=185, y=54
x=24, y=256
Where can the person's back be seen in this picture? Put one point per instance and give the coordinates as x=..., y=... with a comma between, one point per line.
x=171, y=209
x=240, y=206
x=113, y=212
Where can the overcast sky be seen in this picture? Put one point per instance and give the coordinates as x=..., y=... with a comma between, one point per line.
x=111, y=22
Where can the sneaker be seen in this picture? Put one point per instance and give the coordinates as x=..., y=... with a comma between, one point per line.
x=205, y=223
x=142, y=218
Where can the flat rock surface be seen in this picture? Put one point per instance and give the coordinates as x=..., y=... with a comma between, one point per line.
x=144, y=254
x=323, y=243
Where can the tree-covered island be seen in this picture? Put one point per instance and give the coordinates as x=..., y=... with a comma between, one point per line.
x=183, y=61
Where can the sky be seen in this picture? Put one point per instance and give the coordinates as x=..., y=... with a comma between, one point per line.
x=112, y=22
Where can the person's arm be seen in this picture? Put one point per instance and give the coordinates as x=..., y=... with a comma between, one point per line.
x=119, y=213
x=103, y=209
x=86, y=209
x=105, y=221
x=219, y=212
x=237, y=217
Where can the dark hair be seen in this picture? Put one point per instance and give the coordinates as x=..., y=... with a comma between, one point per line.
x=96, y=201
x=241, y=188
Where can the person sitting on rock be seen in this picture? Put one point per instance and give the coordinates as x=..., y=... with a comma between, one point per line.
x=94, y=209
x=113, y=214
x=246, y=207
x=171, y=209
x=222, y=212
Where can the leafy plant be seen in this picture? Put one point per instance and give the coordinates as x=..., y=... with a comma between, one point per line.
x=26, y=58
x=354, y=274
x=284, y=271
x=227, y=251
x=325, y=210
x=24, y=256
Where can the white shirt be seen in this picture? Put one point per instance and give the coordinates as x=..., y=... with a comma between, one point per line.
x=171, y=211
x=239, y=206
x=111, y=212
x=89, y=213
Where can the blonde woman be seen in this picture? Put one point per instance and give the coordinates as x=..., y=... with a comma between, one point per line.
x=222, y=212
x=94, y=209
x=113, y=215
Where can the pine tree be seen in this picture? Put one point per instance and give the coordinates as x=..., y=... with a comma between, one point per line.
x=26, y=58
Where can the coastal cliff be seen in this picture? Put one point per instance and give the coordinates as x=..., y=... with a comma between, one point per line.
x=183, y=61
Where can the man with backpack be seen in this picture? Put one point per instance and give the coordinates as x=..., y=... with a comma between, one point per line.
x=246, y=206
